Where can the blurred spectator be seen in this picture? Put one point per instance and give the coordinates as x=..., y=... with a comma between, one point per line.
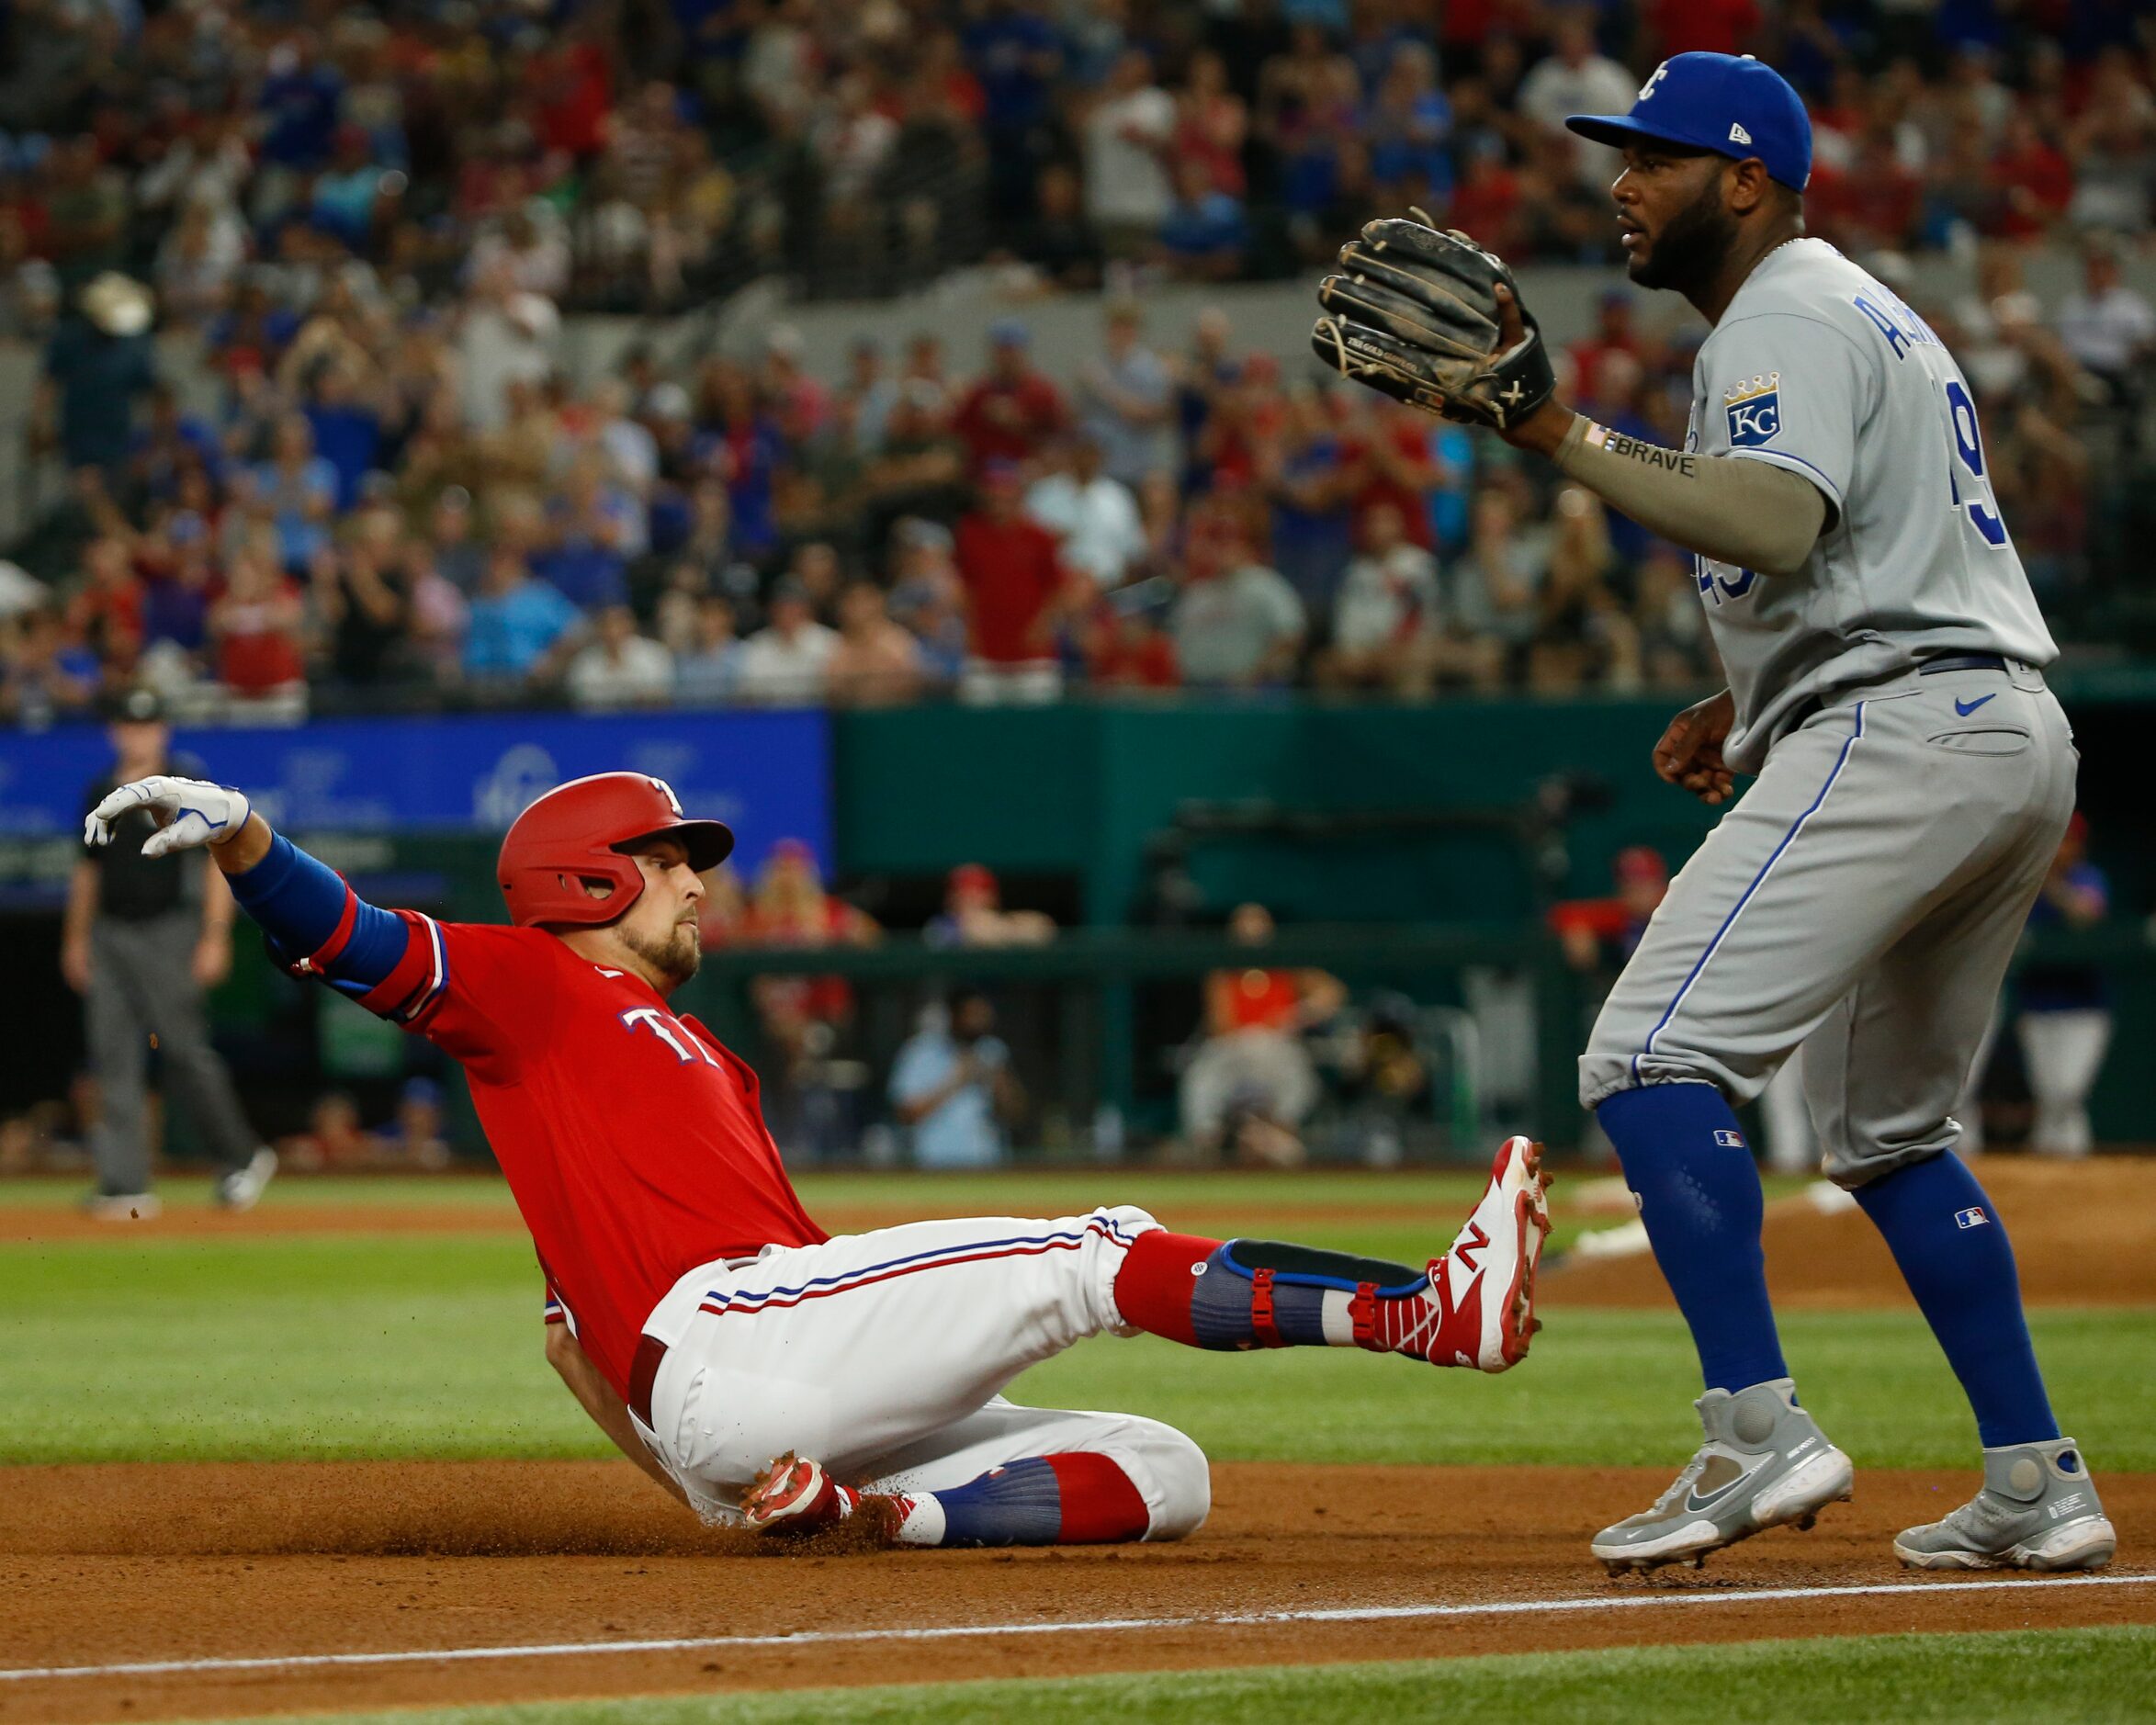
x=1582, y=635
x=951, y=1087
x=1094, y=516
x=1126, y=645
x=803, y=1018
x=42, y=677
x=876, y=662
x=787, y=662
x=1385, y=628
x=1237, y=623
x=97, y=367
x=517, y=628
x=2064, y=1021
x=1577, y=79
x=1015, y=594
x=1496, y=588
x=1012, y=411
x=972, y=913
x=255, y=626
x=708, y=671
x=299, y=487
x=619, y=668
x=1122, y=400
x=1130, y=138
x=2031, y=183
x=1207, y=231
x=2109, y=328
x=1599, y=935
x=412, y=1136
x=1251, y=1082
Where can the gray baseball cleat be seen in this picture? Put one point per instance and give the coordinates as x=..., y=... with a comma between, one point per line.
x=1764, y=1463
x=2037, y=1510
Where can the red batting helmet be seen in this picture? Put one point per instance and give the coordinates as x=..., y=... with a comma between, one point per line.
x=581, y=831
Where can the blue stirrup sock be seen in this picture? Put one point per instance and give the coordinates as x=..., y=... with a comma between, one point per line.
x=1076, y=1499
x=1699, y=1196
x=1954, y=1254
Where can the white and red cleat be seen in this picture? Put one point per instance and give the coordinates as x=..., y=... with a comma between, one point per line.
x=794, y=1494
x=1484, y=1289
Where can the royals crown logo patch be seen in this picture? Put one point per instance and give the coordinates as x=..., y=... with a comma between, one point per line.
x=1755, y=409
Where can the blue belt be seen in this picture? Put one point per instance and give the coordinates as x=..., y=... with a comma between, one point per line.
x=1961, y=661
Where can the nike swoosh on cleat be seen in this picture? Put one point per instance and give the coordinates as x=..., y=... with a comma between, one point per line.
x=1693, y=1503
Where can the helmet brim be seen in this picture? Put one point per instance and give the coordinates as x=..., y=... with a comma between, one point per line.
x=708, y=842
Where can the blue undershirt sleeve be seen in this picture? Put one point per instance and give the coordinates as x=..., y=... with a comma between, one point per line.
x=298, y=902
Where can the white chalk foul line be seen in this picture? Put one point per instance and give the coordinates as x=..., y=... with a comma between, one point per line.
x=959, y=1632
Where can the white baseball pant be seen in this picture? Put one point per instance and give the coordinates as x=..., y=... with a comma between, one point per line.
x=882, y=1356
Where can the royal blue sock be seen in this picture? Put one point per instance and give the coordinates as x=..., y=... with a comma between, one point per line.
x=1699, y=1196
x=1955, y=1256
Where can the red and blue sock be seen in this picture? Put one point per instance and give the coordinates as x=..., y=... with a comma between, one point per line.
x=1263, y=1293
x=1076, y=1499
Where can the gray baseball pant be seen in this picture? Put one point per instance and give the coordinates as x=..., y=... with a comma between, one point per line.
x=142, y=985
x=1861, y=899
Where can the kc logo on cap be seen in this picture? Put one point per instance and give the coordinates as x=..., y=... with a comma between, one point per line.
x=1729, y=104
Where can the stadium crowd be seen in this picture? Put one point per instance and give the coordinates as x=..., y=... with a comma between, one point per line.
x=644, y=153
x=374, y=225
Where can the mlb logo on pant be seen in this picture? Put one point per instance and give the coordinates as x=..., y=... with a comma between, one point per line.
x=1970, y=1218
x=1729, y=1140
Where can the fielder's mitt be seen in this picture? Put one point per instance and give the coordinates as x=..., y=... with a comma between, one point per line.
x=1414, y=312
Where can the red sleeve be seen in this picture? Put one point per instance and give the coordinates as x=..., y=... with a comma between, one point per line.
x=481, y=992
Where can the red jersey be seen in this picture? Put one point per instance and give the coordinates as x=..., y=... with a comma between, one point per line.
x=1012, y=573
x=1003, y=420
x=1260, y=999
x=633, y=1143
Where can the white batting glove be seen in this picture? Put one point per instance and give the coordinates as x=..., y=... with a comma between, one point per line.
x=189, y=812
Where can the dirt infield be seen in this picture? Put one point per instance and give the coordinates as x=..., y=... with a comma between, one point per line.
x=2084, y=1235
x=418, y=1567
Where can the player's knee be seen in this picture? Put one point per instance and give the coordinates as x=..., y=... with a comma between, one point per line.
x=1177, y=1488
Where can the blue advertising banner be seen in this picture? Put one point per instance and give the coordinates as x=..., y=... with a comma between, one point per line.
x=766, y=774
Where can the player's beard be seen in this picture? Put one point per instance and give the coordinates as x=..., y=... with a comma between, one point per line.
x=1689, y=251
x=675, y=956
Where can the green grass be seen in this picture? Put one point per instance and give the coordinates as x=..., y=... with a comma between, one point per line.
x=157, y=1347
x=2067, y=1676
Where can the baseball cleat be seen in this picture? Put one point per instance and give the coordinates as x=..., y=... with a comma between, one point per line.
x=794, y=1494
x=1764, y=1464
x=2037, y=1510
x=1484, y=1287
x=243, y=1187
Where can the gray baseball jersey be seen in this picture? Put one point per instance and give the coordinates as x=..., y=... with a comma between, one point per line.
x=1817, y=367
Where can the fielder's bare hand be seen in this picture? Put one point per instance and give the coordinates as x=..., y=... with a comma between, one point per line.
x=1690, y=753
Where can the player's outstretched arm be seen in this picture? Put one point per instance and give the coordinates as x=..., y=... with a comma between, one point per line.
x=312, y=918
x=597, y=1398
x=1435, y=320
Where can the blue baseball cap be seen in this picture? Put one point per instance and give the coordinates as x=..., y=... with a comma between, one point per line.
x=1729, y=104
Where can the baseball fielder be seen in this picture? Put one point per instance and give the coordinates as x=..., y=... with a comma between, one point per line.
x=757, y=1367
x=1914, y=774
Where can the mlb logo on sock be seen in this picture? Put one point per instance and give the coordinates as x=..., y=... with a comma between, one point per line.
x=1729, y=1140
x=1970, y=1218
